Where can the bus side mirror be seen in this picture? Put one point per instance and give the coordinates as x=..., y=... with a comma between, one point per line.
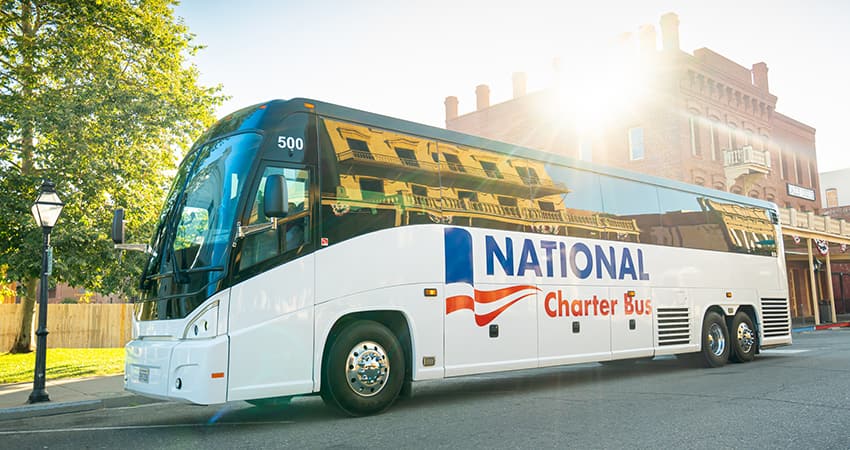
x=275, y=198
x=118, y=226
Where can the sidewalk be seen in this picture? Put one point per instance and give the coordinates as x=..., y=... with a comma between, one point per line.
x=67, y=395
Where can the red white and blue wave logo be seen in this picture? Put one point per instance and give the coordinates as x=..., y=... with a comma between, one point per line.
x=461, y=294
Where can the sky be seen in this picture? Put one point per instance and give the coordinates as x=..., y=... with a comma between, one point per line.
x=402, y=58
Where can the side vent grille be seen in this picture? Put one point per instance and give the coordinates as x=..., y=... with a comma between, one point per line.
x=775, y=314
x=674, y=326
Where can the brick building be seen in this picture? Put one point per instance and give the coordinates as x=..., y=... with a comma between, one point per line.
x=698, y=118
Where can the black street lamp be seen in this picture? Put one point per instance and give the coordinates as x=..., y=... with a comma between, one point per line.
x=46, y=211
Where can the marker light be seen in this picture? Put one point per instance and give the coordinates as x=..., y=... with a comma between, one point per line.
x=217, y=375
x=309, y=105
x=728, y=295
x=430, y=292
x=630, y=293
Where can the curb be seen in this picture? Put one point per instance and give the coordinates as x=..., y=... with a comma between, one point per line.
x=827, y=326
x=50, y=409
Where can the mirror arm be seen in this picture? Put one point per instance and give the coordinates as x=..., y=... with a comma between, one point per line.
x=144, y=248
x=247, y=230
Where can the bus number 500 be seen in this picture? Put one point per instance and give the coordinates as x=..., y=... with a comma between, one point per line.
x=290, y=143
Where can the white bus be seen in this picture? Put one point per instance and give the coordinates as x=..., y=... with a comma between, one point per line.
x=310, y=248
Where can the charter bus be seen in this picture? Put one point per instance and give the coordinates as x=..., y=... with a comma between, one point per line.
x=310, y=248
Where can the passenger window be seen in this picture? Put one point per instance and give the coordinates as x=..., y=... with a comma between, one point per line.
x=292, y=232
x=631, y=210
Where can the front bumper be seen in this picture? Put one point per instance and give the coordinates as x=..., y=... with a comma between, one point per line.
x=184, y=370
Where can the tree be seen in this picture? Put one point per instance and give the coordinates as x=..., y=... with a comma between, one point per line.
x=98, y=97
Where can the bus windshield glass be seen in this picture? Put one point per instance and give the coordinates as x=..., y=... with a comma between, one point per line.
x=195, y=231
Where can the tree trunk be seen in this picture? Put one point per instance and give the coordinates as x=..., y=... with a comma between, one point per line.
x=23, y=342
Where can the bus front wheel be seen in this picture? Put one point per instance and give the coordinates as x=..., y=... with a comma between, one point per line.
x=715, y=340
x=364, y=369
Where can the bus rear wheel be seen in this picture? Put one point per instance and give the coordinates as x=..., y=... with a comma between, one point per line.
x=364, y=369
x=743, y=338
x=715, y=340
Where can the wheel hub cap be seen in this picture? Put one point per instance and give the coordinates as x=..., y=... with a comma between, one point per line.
x=716, y=341
x=745, y=337
x=367, y=368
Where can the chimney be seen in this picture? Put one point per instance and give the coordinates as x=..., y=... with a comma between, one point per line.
x=760, y=76
x=520, y=79
x=670, y=32
x=451, y=108
x=646, y=36
x=482, y=95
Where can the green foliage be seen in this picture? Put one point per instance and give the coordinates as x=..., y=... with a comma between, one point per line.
x=63, y=363
x=98, y=97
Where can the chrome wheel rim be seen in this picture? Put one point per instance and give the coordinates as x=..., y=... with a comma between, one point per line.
x=746, y=338
x=716, y=340
x=367, y=368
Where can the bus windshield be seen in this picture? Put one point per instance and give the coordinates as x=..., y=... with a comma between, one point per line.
x=195, y=230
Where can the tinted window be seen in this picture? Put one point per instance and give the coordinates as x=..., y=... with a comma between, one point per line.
x=631, y=209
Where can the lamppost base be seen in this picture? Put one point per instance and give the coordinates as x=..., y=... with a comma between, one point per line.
x=38, y=396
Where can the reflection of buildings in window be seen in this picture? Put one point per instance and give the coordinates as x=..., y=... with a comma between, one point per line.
x=480, y=193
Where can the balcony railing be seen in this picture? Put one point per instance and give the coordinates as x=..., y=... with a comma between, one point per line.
x=746, y=155
x=450, y=168
x=790, y=217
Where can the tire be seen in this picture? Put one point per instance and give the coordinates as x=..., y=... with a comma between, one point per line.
x=272, y=402
x=715, y=340
x=364, y=369
x=743, y=338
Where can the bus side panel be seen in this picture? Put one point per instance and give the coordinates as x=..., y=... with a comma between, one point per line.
x=271, y=332
x=385, y=270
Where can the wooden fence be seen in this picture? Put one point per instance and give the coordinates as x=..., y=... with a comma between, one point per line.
x=73, y=326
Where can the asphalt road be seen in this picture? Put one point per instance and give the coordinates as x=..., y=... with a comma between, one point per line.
x=796, y=396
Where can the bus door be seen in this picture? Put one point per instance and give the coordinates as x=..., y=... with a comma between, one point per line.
x=631, y=326
x=271, y=306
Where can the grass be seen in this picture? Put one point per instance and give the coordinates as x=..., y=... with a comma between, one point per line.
x=63, y=363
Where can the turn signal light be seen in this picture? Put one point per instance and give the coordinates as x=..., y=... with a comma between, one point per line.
x=430, y=292
x=217, y=375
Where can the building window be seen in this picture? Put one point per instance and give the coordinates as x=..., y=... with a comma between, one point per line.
x=811, y=175
x=546, y=206
x=491, y=169
x=507, y=201
x=419, y=191
x=831, y=197
x=528, y=175
x=454, y=162
x=407, y=156
x=696, y=147
x=715, y=139
x=733, y=139
x=636, y=150
x=468, y=196
x=798, y=168
x=360, y=148
x=372, y=190
x=585, y=151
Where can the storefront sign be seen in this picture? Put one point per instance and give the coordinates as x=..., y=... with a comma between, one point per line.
x=801, y=192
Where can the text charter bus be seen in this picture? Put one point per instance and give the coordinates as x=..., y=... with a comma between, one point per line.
x=308, y=248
